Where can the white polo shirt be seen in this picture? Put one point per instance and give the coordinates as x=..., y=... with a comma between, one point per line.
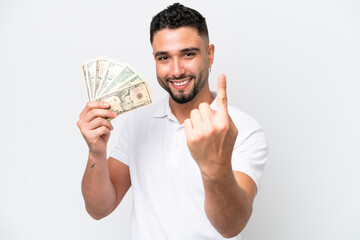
x=168, y=193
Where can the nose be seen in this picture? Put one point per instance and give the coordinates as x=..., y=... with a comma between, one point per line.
x=177, y=68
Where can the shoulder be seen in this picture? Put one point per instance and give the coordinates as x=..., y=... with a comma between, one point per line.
x=242, y=119
x=245, y=124
x=251, y=148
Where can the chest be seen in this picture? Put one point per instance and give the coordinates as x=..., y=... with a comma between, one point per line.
x=160, y=162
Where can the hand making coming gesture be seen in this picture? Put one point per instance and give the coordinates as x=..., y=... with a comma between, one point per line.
x=211, y=134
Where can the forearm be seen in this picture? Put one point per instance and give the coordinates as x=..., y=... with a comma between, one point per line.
x=98, y=191
x=227, y=206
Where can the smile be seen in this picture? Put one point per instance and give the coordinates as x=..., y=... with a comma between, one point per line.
x=181, y=83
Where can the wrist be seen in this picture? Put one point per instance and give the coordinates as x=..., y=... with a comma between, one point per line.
x=97, y=156
x=216, y=172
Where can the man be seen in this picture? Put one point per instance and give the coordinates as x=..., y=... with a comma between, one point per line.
x=194, y=170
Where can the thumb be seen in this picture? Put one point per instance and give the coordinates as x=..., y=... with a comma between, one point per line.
x=221, y=94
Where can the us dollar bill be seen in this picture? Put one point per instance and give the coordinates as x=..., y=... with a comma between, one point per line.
x=101, y=66
x=117, y=83
x=133, y=80
x=119, y=80
x=128, y=98
x=90, y=67
x=83, y=67
x=114, y=69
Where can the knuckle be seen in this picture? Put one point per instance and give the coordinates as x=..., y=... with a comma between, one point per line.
x=100, y=131
x=235, y=131
x=224, y=126
x=223, y=100
x=190, y=140
x=203, y=105
x=92, y=113
x=89, y=104
x=194, y=112
x=211, y=132
x=187, y=124
x=86, y=135
x=104, y=129
x=98, y=121
x=104, y=122
x=197, y=138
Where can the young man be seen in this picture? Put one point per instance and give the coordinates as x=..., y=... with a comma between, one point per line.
x=194, y=170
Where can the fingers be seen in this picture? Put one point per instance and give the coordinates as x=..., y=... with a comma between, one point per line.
x=201, y=116
x=195, y=118
x=92, y=118
x=94, y=113
x=99, y=122
x=188, y=126
x=221, y=94
x=206, y=112
x=200, y=119
x=91, y=105
x=102, y=131
x=96, y=109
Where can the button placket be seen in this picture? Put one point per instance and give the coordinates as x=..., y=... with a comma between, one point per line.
x=175, y=149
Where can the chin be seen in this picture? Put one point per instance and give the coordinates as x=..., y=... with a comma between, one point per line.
x=183, y=98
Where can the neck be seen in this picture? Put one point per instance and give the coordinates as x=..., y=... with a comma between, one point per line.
x=182, y=111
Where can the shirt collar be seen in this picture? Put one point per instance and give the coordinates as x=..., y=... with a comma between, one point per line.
x=165, y=111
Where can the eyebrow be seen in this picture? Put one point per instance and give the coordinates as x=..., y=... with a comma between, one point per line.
x=182, y=50
x=160, y=53
x=190, y=49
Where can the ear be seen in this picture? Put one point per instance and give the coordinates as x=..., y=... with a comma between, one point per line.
x=210, y=54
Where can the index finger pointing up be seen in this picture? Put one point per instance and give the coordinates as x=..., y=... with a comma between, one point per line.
x=221, y=94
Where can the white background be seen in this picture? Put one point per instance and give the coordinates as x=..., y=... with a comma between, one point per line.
x=292, y=65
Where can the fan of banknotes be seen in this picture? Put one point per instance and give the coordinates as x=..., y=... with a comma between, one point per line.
x=117, y=83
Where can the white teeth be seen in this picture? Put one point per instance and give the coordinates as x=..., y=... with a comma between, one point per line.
x=181, y=83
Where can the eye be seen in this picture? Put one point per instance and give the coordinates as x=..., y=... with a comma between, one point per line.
x=189, y=54
x=162, y=58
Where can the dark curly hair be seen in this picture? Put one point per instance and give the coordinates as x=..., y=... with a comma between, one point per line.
x=176, y=16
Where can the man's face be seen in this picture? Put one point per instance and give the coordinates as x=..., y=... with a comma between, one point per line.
x=182, y=61
x=127, y=103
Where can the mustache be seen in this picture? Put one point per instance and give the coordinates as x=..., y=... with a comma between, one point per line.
x=181, y=77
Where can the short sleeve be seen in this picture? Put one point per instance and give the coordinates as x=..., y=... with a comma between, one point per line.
x=250, y=150
x=120, y=151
